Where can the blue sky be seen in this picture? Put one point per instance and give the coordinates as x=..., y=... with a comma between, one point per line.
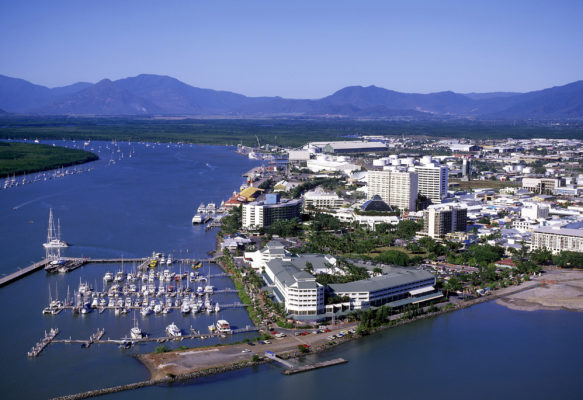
x=299, y=49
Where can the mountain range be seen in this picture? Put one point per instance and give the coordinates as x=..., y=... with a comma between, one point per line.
x=149, y=95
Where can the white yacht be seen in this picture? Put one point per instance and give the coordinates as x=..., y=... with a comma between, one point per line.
x=136, y=332
x=185, y=307
x=217, y=307
x=157, y=309
x=146, y=311
x=108, y=277
x=223, y=326
x=173, y=330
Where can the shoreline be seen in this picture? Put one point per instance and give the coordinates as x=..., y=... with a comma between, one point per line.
x=164, y=375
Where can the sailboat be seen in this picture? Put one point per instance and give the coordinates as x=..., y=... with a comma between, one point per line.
x=54, y=236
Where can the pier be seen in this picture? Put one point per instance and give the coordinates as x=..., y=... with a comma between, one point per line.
x=40, y=346
x=23, y=272
x=74, y=263
x=311, y=367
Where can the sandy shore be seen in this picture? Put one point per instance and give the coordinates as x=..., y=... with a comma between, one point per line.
x=564, y=292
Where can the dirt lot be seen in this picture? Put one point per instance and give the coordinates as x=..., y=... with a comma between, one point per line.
x=558, y=290
x=196, y=359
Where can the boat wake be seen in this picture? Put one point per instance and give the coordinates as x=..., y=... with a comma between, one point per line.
x=35, y=200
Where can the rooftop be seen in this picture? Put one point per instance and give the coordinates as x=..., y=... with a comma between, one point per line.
x=396, y=277
x=560, y=231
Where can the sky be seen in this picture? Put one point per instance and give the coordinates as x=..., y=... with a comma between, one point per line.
x=297, y=49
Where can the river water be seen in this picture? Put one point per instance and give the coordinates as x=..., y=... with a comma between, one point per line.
x=132, y=206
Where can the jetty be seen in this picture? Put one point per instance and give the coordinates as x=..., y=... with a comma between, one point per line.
x=311, y=367
x=40, y=346
x=71, y=264
x=23, y=272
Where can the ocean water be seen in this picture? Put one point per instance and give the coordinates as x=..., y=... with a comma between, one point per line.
x=144, y=203
x=124, y=207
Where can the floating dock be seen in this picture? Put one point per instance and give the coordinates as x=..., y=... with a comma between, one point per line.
x=310, y=367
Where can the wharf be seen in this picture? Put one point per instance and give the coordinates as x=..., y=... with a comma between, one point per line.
x=96, y=338
x=74, y=263
x=311, y=367
x=23, y=272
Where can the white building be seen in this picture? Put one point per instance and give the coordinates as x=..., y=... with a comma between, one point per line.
x=259, y=214
x=331, y=163
x=534, y=211
x=319, y=198
x=273, y=250
x=398, y=284
x=295, y=287
x=557, y=239
x=395, y=188
x=299, y=155
x=432, y=181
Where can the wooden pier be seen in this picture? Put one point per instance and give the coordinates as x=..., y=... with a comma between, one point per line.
x=311, y=367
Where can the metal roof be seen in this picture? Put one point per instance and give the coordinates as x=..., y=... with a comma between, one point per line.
x=561, y=231
x=397, y=277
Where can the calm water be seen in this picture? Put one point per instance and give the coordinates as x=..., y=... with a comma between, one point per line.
x=145, y=203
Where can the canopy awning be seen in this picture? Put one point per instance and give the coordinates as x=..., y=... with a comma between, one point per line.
x=422, y=290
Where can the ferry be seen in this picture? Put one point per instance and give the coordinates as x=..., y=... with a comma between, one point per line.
x=223, y=326
x=173, y=330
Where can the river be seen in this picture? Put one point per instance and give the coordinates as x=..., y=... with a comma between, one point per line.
x=132, y=206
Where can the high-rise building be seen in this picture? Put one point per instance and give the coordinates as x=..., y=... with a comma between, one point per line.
x=466, y=169
x=442, y=219
x=432, y=181
x=260, y=214
x=396, y=188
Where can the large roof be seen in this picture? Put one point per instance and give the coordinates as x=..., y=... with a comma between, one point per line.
x=561, y=231
x=396, y=277
x=290, y=274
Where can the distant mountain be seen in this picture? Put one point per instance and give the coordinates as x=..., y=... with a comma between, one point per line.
x=164, y=95
x=559, y=102
x=18, y=95
x=490, y=95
